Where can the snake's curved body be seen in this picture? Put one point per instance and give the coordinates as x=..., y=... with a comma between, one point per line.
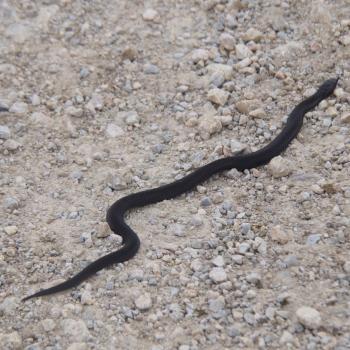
x=115, y=214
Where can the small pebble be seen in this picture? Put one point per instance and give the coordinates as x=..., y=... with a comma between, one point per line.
x=242, y=51
x=19, y=108
x=218, y=261
x=151, y=69
x=11, y=203
x=143, y=302
x=279, y=167
x=227, y=41
x=113, y=130
x=10, y=230
x=218, y=275
x=313, y=239
x=5, y=132
x=252, y=34
x=12, y=145
x=150, y=15
x=309, y=317
x=75, y=329
x=218, y=96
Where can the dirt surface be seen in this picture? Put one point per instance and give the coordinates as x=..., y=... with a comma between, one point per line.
x=107, y=98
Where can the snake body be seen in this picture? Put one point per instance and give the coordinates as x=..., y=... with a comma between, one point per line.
x=115, y=214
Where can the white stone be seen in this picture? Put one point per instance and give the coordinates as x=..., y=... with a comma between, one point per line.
x=218, y=275
x=11, y=145
x=40, y=119
x=131, y=118
x=242, y=51
x=48, y=324
x=279, y=167
x=345, y=40
x=74, y=111
x=86, y=298
x=218, y=261
x=150, y=15
x=19, y=108
x=209, y=125
x=287, y=338
x=236, y=146
x=309, y=317
x=218, y=96
x=252, y=34
x=200, y=55
x=113, y=130
x=75, y=329
x=237, y=259
x=227, y=41
x=254, y=278
x=280, y=235
x=224, y=69
x=143, y=302
x=10, y=230
x=257, y=113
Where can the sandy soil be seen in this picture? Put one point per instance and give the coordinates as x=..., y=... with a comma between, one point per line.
x=107, y=98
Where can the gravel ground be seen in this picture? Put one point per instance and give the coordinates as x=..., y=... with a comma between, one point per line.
x=110, y=97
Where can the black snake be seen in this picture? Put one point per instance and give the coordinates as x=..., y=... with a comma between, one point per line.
x=115, y=214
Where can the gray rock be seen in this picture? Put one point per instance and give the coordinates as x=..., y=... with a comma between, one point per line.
x=11, y=203
x=218, y=275
x=216, y=307
x=237, y=259
x=76, y=112
x=245, y=227
x=131, y=118
x=243, y=51
x=199, y=55
x=12, y=145
x=48, y=324
x=8, y=306
x=175, y=312
x=244, y=248
x=177, y=230
x=291, y=260
x=151, y=69
x=313, y=239
x=218, y=261
x=205, y=202
x=5, y=132
x=254, y=278
x=113, y=130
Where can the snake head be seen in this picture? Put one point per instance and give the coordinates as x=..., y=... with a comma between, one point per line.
x=327, y=88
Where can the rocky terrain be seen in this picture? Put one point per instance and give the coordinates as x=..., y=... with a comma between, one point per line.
x=107, y=98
